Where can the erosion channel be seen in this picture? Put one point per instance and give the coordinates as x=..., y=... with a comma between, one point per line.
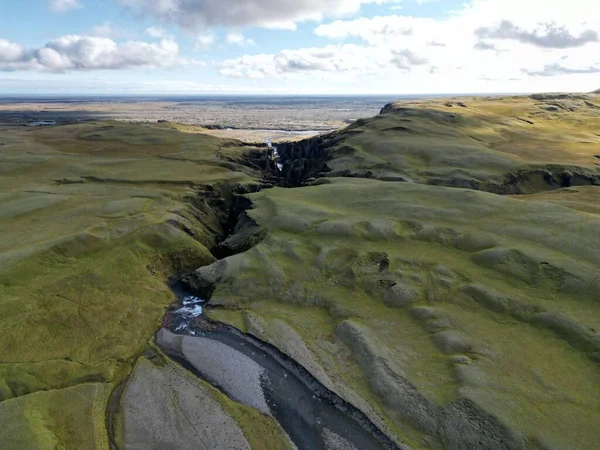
x=256, y=373
x=424, y=279
x=358, y=296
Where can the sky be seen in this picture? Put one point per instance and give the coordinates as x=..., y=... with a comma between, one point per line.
x=297, y=47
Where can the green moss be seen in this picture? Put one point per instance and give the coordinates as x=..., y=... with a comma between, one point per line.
x=71, y=418
x=476, y=145
x=262, y=432
x=26, y=378
x=233, y=318
x=94, y=216
x=329, y=269
x=540, y=385
x=92, y=219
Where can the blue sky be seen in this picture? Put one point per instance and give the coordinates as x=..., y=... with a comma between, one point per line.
x=298, y=46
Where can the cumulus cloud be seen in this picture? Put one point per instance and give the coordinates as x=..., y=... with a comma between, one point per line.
x=156, y=32
x=409, y=42
x=196, y=15
x=483, y=40
x=9, y=51
x=108, y=30
x=527, y=45
x=249, y=66
x=332, y=59
x=556, y=69
x=328, y=59
x=405, y=59
x=236, y=38
x=548, y=35
x=483, y=45
x=70, y=53
x=64, y=5
x=374, y=30
x=204, y=41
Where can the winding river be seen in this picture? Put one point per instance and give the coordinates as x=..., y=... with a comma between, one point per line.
x=257, y=374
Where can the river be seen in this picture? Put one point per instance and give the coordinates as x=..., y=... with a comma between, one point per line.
x=275, y=153
x=257, y=374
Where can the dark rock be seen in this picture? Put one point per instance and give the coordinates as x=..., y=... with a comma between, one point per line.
x=465, y=426
x=203, y=281
x=460, y=425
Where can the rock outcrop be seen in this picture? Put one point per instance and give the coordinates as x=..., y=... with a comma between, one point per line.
x=459, y=425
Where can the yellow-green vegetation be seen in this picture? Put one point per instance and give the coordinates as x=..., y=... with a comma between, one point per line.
x=511, y=285
x=475, y=142
x=262, y=432
x=93, y=218
x=165, y=406
x=232, y=317
x=434, y=309
x=583, y=198
x=66, y=418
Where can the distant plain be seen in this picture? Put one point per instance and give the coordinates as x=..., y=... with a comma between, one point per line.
x=222, y=112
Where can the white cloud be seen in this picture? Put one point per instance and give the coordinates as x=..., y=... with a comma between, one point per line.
x=406, y=60
x=195, y=15
x=330, y=59
x=376, y=30
x=235, y=38
x=487, y=39
x=108, y=30
x=64, y=5
x=205, y=41
x=70, y=53
x=488, y=45
x=156, y=32
x=484, y=45
x=555, y=69
x=9, y=51
x=548, y=35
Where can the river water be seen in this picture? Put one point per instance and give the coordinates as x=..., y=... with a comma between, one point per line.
x=44, y=123
x=275, y=153
x=314, y=417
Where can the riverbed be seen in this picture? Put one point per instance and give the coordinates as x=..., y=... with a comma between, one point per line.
x=257, y=374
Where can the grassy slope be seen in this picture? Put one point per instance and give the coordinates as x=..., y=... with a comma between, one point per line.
x=65, y=418
x=585, y=199
x=82, y=265
x=473, y=138
x=317, y=257
x=318, y=265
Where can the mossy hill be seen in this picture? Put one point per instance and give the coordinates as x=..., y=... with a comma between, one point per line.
x=439, y=269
